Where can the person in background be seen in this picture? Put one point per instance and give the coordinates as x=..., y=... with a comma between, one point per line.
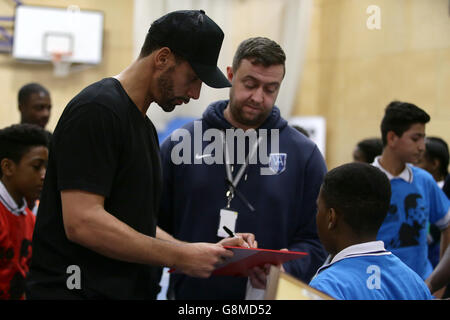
x=435, y=160
x=23, y=161
x=446, y=186
x=301, y=129
x=366, y=150
x=35, y=106
x=416, y=198
x=352, y=204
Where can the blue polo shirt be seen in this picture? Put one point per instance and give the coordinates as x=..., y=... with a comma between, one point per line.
x=416, y=202
x=367, y=271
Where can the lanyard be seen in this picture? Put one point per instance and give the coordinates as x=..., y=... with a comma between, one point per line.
x=233, y=182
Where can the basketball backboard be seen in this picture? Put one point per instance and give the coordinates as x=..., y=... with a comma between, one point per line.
x=40, y=32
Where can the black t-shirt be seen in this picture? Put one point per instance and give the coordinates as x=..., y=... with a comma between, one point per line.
x=102, y=144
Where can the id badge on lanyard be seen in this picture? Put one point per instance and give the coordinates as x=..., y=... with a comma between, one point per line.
x=228, y=217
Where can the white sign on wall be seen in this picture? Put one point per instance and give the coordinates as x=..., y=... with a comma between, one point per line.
x=316, y=128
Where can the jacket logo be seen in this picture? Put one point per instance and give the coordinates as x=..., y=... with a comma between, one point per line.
x=277, y=162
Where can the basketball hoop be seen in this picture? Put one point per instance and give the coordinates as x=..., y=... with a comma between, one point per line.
x=61, y=63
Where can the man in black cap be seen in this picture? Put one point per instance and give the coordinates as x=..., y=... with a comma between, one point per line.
x=96, y=234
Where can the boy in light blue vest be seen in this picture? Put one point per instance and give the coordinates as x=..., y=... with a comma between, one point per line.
x=352, y=204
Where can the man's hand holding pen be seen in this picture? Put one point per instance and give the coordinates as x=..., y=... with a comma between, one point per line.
x=257, y=275
x=246, y=240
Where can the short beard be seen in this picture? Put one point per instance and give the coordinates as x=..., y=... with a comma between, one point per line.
x=237, y=115
x=165, y=86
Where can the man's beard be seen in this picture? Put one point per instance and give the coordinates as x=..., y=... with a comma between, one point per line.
x=165, y=86
x=238, y=115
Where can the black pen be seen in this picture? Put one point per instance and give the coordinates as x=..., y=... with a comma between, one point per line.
x=230, y=233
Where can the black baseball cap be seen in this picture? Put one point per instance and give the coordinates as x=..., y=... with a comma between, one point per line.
x=192, y=35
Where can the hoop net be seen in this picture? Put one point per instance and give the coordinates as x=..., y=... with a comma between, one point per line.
x=61, y=63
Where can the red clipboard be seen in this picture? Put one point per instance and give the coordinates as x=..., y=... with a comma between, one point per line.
x=245, y=259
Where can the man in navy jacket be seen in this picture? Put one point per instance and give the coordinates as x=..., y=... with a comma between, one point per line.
x=271, y=177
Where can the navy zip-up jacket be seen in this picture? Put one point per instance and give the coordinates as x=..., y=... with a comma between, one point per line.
x=284, y=202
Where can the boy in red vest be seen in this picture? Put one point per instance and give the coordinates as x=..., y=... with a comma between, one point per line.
x=23, y=161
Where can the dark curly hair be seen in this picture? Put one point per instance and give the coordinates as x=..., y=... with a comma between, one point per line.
x=16, y=140
x=361, y=193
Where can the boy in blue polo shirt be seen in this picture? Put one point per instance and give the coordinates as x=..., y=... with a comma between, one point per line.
x=352, y=204
x=416, y=200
